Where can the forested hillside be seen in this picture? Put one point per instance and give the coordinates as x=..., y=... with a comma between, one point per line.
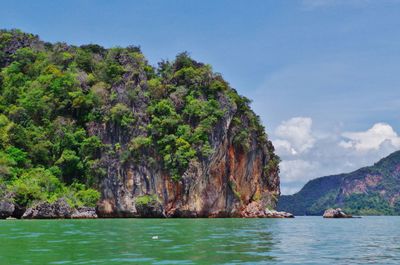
x=370, y=190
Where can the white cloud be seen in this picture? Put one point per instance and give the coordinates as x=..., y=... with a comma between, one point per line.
x=297, y=170
x=372, y=139
x=306, y=156
x=284, y=147
x=289, y=190
x=295, y=135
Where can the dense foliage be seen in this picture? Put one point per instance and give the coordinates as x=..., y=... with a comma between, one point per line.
x=53, y=95
x=356, y=192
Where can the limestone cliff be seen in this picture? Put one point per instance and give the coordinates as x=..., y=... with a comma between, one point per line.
x=222, y=184
x=168, y=141
x=235, y=173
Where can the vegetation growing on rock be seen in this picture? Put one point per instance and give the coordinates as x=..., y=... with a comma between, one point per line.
x=73, y=118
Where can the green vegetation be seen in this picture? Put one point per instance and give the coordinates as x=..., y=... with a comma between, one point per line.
x=57, y=102
x=121, y=115
x=368, y=204
x=146, y=199
x=181, y=124
x=273, y=164
x=39, y=184
x=233, y=187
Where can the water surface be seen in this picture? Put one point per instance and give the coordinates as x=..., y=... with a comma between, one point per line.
x=303, y=240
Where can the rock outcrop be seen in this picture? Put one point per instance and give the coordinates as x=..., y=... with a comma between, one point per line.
x=6, y=209
x=84, y=213
x=336, y=213
x=169, y=141
x=221, y=185
x=240, y=166
x=57, y=210
x=255, y=210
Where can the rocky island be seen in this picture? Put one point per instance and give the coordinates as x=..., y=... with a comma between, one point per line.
x=88, y=131
x=336, y=213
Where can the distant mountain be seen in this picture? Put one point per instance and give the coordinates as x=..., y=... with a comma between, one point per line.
x=373, y=190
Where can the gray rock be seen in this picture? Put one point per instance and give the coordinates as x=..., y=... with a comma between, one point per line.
x=152, y=209
x=277, y=214
x=336, y=213
x=84, y=213
x=18, y=211
x=45, y=210
x=257, y=210
x=6, y=209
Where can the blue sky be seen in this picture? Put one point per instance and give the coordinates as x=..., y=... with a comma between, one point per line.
x=322, y=74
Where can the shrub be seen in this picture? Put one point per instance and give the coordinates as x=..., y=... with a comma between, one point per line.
x=241, y=139
x=84, y=60
x=71, y=165
x=146, y=199
x=121, y=115
x=272, y=165
x=87, y=197
x=37, y=184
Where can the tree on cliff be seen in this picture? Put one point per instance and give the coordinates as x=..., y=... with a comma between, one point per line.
x=68, y=112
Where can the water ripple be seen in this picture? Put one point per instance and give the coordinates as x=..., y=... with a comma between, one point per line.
x=303, y=240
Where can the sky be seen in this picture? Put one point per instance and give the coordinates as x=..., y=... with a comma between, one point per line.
x=323, y=75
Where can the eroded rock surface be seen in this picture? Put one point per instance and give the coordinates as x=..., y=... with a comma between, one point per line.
x=6, y=209
x=59, y=209
x=336, y=213
x=256, y=210
x=84, y=213
x=240, y=167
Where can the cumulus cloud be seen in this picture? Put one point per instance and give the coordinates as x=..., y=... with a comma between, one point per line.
x=295, y=135
x=284, y=147
x=296, y=170
x=288, y=190
x=306, y=155
x=372, y=139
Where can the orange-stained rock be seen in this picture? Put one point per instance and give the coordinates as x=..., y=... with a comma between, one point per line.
x=235, y=174
x=229, y=184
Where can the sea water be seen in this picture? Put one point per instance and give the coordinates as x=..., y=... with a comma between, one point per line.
x=302, y=240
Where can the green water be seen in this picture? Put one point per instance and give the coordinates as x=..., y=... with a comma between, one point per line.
x=303, y=240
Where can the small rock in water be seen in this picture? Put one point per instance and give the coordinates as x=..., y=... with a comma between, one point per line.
x=45, y=210
x=84, y=213
x=257, y=210
x=154, y=237
x=6, y=209
x=336, y=213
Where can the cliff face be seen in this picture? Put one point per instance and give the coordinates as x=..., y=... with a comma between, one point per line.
x=174, y=140
x=370, y=190
x=221, y=184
